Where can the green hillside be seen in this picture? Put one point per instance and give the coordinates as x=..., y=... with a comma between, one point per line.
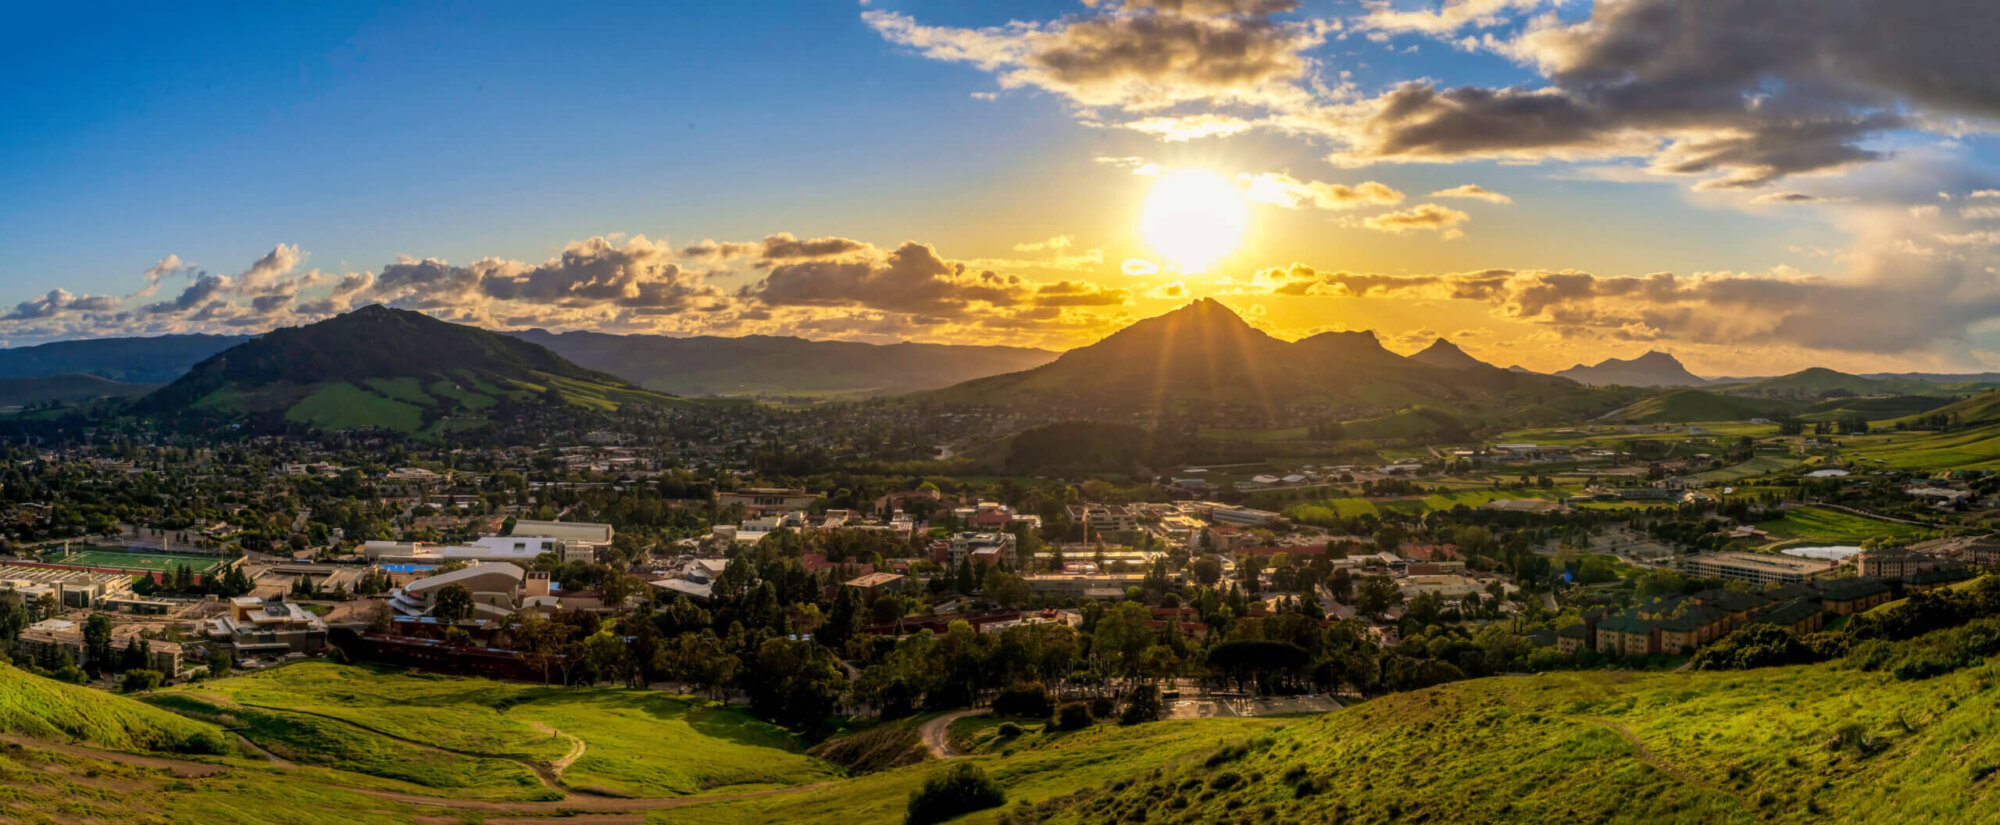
x=43, y=708
x=386, y=369
x=1681, y=406
x=1820, y=382
x=1978, y=409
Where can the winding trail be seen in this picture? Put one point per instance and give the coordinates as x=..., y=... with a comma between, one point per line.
x=555, y=769
x=936, y=733
x=568, y=810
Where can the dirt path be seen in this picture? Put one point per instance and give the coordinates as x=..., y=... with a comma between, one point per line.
x=555, y=769
x=568, y=810
x=1653, y=759
x=260, y=750
x=937, y=732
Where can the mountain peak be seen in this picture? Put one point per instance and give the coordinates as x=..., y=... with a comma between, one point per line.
x=1653, y=369
x=1447, y=355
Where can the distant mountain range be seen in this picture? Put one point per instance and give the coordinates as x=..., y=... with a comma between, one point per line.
x=1205, y=355
x=782, y=366
x=383, y=368
x=155, y=360
x=1654, y=369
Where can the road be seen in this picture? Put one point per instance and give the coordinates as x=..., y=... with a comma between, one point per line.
x=936, y=733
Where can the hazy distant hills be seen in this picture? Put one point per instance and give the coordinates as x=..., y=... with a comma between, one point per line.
x=773, y=365
x=383, y=368
x=1654, y=369
x=65, y=389
x=132, y=360
x=1203, y=354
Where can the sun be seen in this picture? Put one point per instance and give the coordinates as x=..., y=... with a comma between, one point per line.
x=1193, y=217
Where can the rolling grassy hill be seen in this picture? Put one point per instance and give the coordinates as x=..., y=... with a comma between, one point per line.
x=1681, y=406
x=1820, y=382
x=773, y=365
x=384, y=368
x=33, y=706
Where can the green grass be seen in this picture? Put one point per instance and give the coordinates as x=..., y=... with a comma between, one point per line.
x=472, y=400
x=1970, y=448
x=1821, y=524
x=343, y=406
x=402, y=389
x=638, y=742
x=1033, y=767
x=139, y=562
x=1762, y=465
x=1734, y=747
x=39, y=787
x=314, y=740
x=44, y=708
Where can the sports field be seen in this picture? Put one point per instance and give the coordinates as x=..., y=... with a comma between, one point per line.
x=106, y=559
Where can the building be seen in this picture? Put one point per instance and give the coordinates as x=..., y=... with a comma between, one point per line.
x=519, y=550
x=990, y=547
x=1757, y=567
x=273, y=627
x=62, y=637
x=1798, y=616
x=1572, y=639
x=1986, y=552
x=1845, y=597
x=575, y=532
x=1625, y=634
x=1892, y=562
x=1086, y=585
x=1227, y=514
x=79, y=589
x=875, y=583
x=1105, y=518
x=495, y=588
x=766, y=499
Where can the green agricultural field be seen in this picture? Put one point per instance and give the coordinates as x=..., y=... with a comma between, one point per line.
x=637, y=742
x=1972, y=448
x=1822, y=524
x=1762, y=465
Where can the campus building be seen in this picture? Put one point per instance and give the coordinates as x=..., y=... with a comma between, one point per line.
x=1757, y=567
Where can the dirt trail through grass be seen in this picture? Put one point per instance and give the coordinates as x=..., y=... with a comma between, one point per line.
x=937, y=732
x=568, y=810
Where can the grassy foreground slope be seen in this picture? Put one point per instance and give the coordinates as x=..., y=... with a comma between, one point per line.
x=1820, y=743
x=439, y=730
x=46, y=709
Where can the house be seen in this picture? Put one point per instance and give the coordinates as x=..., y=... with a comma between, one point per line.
x=1798, y=616
x=1845, y=597
x=1625, y=634
x=1572, y=639
x=271, y=627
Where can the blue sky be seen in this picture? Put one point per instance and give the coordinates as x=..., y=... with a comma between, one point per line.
x=358, y=133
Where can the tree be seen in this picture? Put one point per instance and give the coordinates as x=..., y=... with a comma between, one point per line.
x=452, y=603
x=220, y=660
x=1143, y=705
x=97, y=645
x=1207, y=570
x=1007, y=589
x=961, y=789
x=796, y=684
x=1376, y=594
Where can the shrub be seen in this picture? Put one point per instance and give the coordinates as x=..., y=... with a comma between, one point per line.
x=1009, y=730
x=1102, y=707
x=141, y=679
x=1073, y=716
x=961, y=789
x=1028, y=700
x=1225, y=780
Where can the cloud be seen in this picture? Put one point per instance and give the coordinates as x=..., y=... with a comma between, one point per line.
x=1428, y=217
x=1449, y=17
x=1141, y=57
x=1178, y=128
x=57, y=302
x=1985, y=193
x=1170, y=291
x=1980, y=213
x=1056, y=243
x=783, y=246
x=1473, y=191
x=1280, y=189
x=1138, y=266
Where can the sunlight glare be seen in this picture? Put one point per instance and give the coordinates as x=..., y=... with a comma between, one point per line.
x=1193, y=217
